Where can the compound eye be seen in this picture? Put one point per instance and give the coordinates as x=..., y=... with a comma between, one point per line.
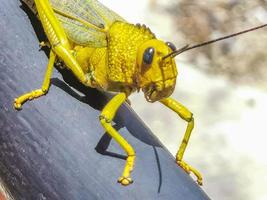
x=171, y=45
x=148, y=55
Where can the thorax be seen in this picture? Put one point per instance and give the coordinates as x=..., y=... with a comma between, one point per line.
x=123, y=42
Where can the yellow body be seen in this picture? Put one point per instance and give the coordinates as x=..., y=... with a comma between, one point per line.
x=113, y=68
x=105, y=52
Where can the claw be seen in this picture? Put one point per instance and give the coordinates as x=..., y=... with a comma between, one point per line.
x=125, y=181
x=17, y=105
x=44, y=44
x=188, y=169
x=199, y=182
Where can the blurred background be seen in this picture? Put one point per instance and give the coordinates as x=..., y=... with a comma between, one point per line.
x=224, y=85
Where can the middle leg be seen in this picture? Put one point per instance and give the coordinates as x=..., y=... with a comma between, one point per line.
x=106, y=117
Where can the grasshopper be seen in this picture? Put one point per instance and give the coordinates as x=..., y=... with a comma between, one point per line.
x=105, y=52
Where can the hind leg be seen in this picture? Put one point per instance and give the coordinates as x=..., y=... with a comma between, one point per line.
x=45, y=86
x=58, y=39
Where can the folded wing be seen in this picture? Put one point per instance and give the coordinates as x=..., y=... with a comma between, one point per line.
x=86, y=22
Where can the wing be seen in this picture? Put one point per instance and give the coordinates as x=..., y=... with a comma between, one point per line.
x=86, y=22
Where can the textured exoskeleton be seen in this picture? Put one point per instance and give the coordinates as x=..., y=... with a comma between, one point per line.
x=105, y=52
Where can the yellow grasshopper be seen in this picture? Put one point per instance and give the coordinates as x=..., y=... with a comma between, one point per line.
x=107, y=53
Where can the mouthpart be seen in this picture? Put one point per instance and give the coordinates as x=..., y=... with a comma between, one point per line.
x=159, y=90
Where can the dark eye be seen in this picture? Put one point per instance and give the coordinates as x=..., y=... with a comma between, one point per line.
x=148, y=55
x=171, y=45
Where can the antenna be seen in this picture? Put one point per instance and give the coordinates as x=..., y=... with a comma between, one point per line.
x=188, y=47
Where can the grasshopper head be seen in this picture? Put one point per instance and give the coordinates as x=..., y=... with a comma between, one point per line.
x=157, y=76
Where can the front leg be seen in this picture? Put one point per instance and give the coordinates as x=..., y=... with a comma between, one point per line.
x=186, y=115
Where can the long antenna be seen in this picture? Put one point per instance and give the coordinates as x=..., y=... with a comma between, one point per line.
x=188, y=47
